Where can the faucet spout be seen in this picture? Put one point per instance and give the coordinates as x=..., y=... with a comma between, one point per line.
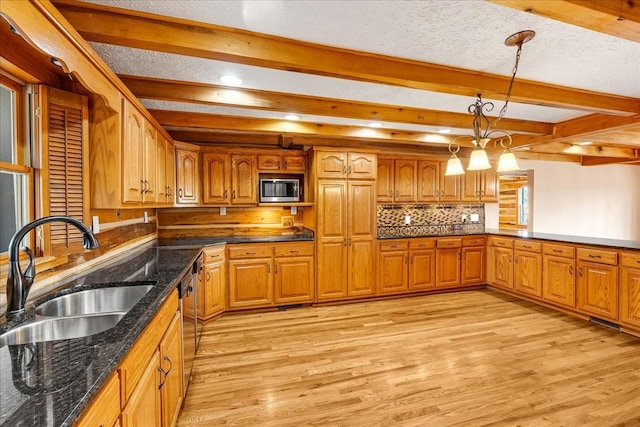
x=19, y=282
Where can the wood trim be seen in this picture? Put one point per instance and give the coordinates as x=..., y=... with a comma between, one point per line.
x=184, y=37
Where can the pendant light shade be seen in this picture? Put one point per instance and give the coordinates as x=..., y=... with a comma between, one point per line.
x=454, y=166
x=478, y=160
x=507, y=162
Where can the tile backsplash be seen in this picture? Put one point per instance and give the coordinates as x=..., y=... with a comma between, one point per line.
x=429, y=220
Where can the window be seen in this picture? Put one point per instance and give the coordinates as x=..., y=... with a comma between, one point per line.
x=16, y=176
x=523, y=205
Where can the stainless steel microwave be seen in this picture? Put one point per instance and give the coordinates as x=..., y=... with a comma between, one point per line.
x=274, y=190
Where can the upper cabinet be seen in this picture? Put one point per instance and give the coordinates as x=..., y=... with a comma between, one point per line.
x=243, y=179
x=187, y=174
x=336, y=164
x=282, y=163
x=480, y=186
x=397, y=180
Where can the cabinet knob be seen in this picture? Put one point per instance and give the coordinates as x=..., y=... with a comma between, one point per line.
x=349, y=170
x=580, y=272
x=397, y=193
x=180, y=192
x=286, y=165
x=571, y=270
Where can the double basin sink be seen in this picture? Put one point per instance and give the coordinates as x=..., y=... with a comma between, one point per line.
x=76, y=315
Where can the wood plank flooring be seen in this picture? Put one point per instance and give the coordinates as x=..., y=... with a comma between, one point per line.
x=477, y=358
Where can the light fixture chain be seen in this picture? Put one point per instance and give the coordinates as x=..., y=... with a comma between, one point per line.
x=503, y=111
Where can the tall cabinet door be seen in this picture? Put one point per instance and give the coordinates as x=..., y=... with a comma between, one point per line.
x=150, y=164
x=361, y=237
x=216, y=173
x=405, y=177
x=132, y=152
x=384, y=181
x=450, y=186
x=428, y=181
x=332, y=239
x=243, y=179
x=187, y=176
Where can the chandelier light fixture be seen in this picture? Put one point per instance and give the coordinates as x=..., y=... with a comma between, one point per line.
x=481, y=125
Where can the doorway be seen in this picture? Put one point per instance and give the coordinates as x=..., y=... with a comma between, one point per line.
x=516, y=200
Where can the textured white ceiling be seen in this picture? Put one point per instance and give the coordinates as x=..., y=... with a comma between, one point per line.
x=468, y=34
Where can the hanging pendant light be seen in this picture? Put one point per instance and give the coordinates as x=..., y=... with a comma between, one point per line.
x=481, y=124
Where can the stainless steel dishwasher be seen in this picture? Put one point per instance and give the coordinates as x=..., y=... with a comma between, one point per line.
x=189, y=310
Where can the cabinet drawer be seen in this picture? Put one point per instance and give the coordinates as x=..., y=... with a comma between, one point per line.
x=597, y=255
x=559, y=250
x=214, y=254
x=449, y=243
x=473, y=241
x=250, y=251
x=269, y=162
x=422, y=244
x=394, y=245
x=302, y=249
x=526, y=245
x=501, y=242
x=630, y=259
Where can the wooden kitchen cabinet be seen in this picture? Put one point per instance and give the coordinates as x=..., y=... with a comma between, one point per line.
x=479, y=186
x=144, y=406
x=449, y=186
x=336, y=164
x=346, y=224
x=448, y=262
x=166, y=171
x=393, y=262
x=630, y=289
x=216, y=178
x=104, y=409
x=527, y=269
x=558, y=280
x=294, y=273
x=473, y=260
x=243, y=179
x=422, y=264
x=428, y=181
x=187, y=174
x=397, y=180
x=212, y=287
x=500, y=262
x=170, y=364
x=282, y=163
x=250, y=282
x=133, y=147
x=597, y=283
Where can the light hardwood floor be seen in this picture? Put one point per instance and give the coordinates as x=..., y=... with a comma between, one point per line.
x=477, y=358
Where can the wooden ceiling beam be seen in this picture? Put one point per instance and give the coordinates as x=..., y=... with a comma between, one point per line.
x=614, y=17
x=180, y=91
x=587, y=150
x=183, y=37
x=272, y=126
x=597, y=161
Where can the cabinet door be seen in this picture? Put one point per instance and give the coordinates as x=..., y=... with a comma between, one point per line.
x=162, y=178
x=269, y=162
x=473, y=265
x=405, y=177
x=598, y=290
x=630, y=296
x=470, y=191
x=489, y=185
x=422, y=269
x=187, y=176
x=171, y=372
x=211, y=301
x=294, y=162
x=362, y=166
x=104, y=408
x=243, y=179
x=558, y=281
x=449, y=186
x=527, y=273
x=393, y=277
x=250, y=283
x=361, y=226
x=150, y=164
x=501, y=267
x=216, y=173
x=294, y=279
x=428, y=181
x=171, y=172
x=143, y=408
x=132, y=154
x=332, y=239
x=331, y=164
x=448, y=267
x=384, y=182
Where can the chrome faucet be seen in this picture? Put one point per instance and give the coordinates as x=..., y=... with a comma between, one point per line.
x=19, y=282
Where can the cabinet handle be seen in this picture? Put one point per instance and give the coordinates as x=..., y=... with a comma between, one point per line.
x=594, y=256
x=249, y=253
x=558, y=251
x=291, y=251
x=276, y=268
x=286, y=165
x=344, y=170
x=509, y=257
x=580, y=272
x=278, y=164
x=142, y=186
x=214, y=256
x=233, y=194
x=516, y=259
x=412, y=259
x=345, y=242
x=180, y=193
x=441, y=193
x=225, y=193
x=349, y=170
x=571, y=270
x=390, y=193
x=208, y=276
x=406, y=259
x=397, y=193
x=638, y=261
x=526, y=246
x=170, y=364
x=349, y=241
x=269, y=268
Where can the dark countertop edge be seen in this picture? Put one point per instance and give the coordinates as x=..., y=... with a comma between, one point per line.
x=202, y=242
x=559, y=238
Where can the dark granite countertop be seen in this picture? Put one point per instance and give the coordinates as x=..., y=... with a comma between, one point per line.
x=50, y=383
x=562, y=238
x=199, y=242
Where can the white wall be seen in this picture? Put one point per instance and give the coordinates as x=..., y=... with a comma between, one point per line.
x=593, y=201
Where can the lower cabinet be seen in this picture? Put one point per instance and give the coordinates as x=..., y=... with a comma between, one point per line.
x=527, y=272
x=422, y=264
x=143, y=407
x=263, y=275
x=212, y=285
x=500, y=262
x=558, y=279
x=448, y=262
x=104, y=410
x=630, y=290
x=393, y=271
x=473, y=260
x=597, y=283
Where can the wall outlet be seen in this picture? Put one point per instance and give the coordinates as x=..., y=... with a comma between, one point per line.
x=294, y=210
x=223, y=210
x=475, y=217
x=407, y=219
x=95, y=224
x=464, y=217
x=287, y=221
x=146, y=217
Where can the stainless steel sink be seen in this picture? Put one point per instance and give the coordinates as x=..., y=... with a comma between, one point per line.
x=93, y=301
x=60, y=328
